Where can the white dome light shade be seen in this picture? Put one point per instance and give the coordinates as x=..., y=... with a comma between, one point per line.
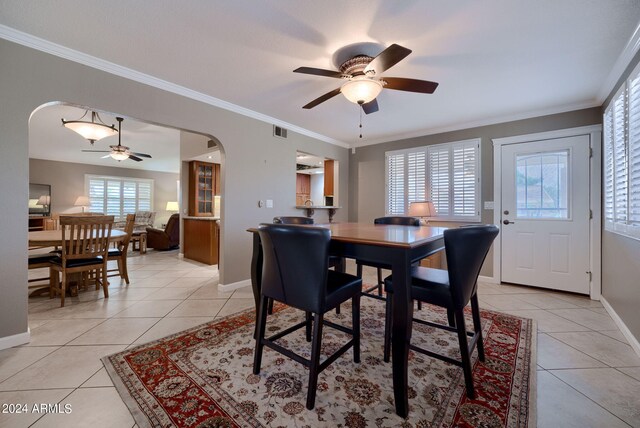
x=119, y=156
x=361, y=89
x=91, y=131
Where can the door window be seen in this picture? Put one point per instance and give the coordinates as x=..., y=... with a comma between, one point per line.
x=542, y=185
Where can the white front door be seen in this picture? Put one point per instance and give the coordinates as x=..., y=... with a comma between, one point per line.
x=545, y=213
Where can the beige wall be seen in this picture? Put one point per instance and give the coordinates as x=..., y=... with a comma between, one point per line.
x=257, y=166
x=367, y=181
x=621, y=260
x=67, y=183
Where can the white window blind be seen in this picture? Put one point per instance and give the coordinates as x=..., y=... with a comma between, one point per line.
x=119, y=196
x=621, y=175
x=447, y=174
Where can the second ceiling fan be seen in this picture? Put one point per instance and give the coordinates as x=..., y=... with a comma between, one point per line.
x=120, y=152
x=363, y=82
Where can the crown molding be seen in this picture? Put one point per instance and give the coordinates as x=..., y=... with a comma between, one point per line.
x=479, y=123
x=55, y=49
x=621, y=64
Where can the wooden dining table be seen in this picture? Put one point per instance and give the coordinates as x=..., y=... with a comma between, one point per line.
x=397, y=246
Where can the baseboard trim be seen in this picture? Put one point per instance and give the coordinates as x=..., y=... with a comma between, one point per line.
x=234, y=285
x=15, y=340
x=488, y=279
x=621, y=325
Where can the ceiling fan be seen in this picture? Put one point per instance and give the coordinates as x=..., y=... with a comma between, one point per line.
x=120, y=152
x=363, y=82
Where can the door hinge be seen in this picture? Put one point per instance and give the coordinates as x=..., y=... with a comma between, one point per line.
x=590, y=275
x=590, y=214
x=590, y=152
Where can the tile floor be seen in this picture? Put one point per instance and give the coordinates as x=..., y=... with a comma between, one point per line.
x=588, y=376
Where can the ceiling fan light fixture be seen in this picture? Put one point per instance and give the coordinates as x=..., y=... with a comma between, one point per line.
x=361, y=89
x=119, y=156
x=92, y=131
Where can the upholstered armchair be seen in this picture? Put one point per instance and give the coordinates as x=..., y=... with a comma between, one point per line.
x=166, y=239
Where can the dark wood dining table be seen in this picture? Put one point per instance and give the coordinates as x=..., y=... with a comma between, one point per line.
x=397, y=246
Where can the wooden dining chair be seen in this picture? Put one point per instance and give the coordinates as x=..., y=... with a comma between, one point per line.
x=85, y=245
x=119, y=254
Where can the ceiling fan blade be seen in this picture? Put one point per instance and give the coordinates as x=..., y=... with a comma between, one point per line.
x=370, y=107
x=410, y=85
x=106, y=156
x=142, y=155
x=323, y=98
x=387, y=59
x=97, y=151
x=135, y=158
x=319, y=72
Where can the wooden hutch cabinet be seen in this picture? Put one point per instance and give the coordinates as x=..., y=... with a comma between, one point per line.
x=204, y=184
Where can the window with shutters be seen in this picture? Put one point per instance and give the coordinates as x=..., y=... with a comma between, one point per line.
x=119, y=196
x=446, y=174
x=621, y=175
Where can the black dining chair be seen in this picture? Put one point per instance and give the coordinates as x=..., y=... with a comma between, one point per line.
x=397, y=220
x=296, y=273
x=466, y=249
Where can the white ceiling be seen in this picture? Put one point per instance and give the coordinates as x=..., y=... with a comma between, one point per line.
x=495, y=60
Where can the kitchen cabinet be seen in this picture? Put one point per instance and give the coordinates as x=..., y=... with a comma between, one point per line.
x=202, y=240
x=303, y=188
x=204, y=178
x=328, y=177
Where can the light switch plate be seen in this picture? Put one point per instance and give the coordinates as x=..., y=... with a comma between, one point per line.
x=488, y=205
x=269, y=203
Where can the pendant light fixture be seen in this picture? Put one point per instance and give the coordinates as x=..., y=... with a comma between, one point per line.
x=92, y=131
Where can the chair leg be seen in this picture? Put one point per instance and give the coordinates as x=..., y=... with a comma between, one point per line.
x=63, y=285
x=451, y=318
x=464, y=353
x=53, y=281
x=307, y=328
x=419, y=305
x=359, y=270
x=315, y=360
x=380, y=283
x=355, y=326
x=270, y=308
x=387, y=328
x=104, y=281
x=477, y=326
x=124, y=272
x=260, y=329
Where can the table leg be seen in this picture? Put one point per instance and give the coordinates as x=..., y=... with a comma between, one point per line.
x=401, y=330
x=256, y=273
x=143, y=243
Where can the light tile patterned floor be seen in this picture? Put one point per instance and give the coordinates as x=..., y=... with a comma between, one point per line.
x=588, y=376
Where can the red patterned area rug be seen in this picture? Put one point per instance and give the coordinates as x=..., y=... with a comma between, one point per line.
x=203, y=377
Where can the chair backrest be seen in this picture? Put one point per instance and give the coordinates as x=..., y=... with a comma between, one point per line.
x=88, y=236
x=292, y=220
x=128, y=229
x=398, y=220
x=466, y=249
x=295, y=265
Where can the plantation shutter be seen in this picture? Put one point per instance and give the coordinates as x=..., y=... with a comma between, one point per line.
x=416, y=177
x=465, y=179
x=619, y=160
x=439, y=171
x=633, y=91
x=395, y=183
x=118, y=196
x=608, y=181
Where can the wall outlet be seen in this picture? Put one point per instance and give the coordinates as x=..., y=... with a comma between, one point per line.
x=269, y=203
x=488, y=205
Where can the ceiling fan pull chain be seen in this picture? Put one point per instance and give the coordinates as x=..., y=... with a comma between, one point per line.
x=360, y=120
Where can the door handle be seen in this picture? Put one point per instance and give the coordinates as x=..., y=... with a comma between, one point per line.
x=507, y=222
